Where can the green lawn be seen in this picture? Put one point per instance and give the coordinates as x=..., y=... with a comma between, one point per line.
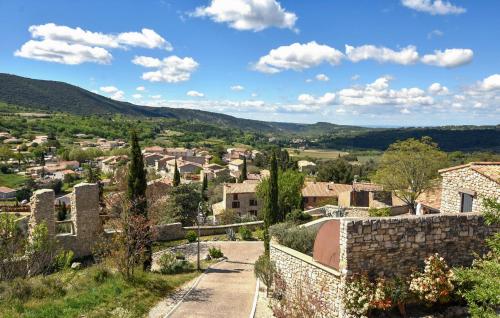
x=11, y=180
x=78, y=294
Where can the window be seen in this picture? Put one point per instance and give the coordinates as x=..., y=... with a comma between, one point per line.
x=253, y=202
x=235, y=196
x=466, y=204
x=235, y=205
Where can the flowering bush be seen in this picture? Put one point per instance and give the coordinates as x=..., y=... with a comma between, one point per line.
x=359, y=296
x=435, y=283
x=382, y=295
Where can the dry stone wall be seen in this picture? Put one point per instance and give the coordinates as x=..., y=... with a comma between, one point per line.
x=397, y=245
x=459, y=179
x=301, y=271
x=42, y=210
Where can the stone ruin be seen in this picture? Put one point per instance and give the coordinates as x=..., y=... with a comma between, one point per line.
x=85, y=222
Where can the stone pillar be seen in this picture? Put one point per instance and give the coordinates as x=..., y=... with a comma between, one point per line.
x=42, y=210
x=85, y=216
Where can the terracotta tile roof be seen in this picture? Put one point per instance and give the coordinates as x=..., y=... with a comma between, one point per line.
x=6, y=190
x=246, y=187
x=431, y=198
x=324, y=189
x=366, y=186
x=490, y=170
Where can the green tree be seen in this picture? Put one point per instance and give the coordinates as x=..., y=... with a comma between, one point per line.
x=204, y=187
x=243, y=175
x=92, y=175
x=182, y=204
x=338, y=171
x=290, y=184
x=271, y=208
x=136, y=192
x=409, y=168
x=177, y=175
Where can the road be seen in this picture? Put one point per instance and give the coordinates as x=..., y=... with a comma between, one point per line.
x=227, y=289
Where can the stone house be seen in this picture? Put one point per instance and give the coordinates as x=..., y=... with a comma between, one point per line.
x=7, y=193
x=179, y=152
x=212, y=171
x=317, y=194
x=464, y=187
x=161, y=164
x=306, y=166
x=151, y=158
x=184, y=167
x=239, y=197
x=235, y=165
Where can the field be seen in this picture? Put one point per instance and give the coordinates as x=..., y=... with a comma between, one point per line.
x=11, y=180
x=316, y=153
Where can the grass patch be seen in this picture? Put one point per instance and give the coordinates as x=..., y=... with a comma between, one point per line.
x=79, y=294
x=11, y=180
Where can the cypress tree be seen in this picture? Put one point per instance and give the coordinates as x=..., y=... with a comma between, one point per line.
x=243, y=175
x=136, y=191
x=204, y=187
x=271, y=210
x=177, y=175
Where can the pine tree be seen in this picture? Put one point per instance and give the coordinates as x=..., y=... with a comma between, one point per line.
x=271, y=210
x=243, y=175
x=177, y=175
x=137, y=183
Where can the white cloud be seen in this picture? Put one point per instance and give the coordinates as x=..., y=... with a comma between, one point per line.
x=62, y=52
x=140, y=88
x=297, y=57
x=308, y=80
x=326, y=99
x=66, y=45
x=137, y=96
x=379, y=93
x=114, y=92
x=491, y=83
x=108, y=89
x=438, y=89
x=322, y=77
x=449, y=58
x=355, y=77
x=435, y=33
x=434, y=7
x=195, y=94
x=255, y=15
x=237, y=88
x=155, y=96
x=406, y=56
x=172, y=69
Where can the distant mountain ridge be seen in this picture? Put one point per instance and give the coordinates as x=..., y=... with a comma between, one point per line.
x=54, y=96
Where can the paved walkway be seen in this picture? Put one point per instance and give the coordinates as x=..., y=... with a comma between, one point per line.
x=227, y=289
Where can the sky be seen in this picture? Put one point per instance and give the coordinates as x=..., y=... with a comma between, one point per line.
x=357, y=62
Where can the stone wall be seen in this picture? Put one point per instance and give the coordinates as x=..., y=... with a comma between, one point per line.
x=301, y=271
x=175, y=231
x=397, y=245
x=42, y=211
x=465, y=178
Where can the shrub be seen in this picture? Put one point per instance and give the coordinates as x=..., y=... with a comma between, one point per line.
x=245, y=233
x=228, y=216
x=215, y=252
x=380, y=212
x=434, y=283
x=18, y=289
x=101, y=274
x=48, y=287
x=169, y=264
x=191, y=236
x=298, y=216
x=298, y=238
x=63, y=260
x=259, y=234
x=231, y=236
x=358, y=296
x=264, y=269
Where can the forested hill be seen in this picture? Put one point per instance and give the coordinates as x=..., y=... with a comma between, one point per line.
x=53, y=96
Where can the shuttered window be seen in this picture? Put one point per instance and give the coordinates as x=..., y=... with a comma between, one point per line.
x=466, y=205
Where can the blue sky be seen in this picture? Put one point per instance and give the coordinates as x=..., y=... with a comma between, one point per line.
x=365, y=62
